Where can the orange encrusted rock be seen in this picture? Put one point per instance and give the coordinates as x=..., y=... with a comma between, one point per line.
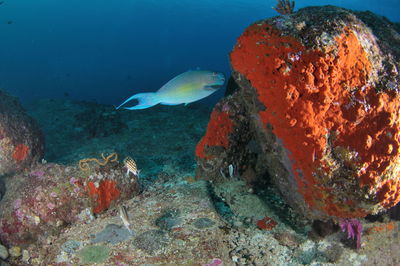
x=20, y=152
x=104, y=193
x=218, y=130
x=322, y=99
x=21, y=140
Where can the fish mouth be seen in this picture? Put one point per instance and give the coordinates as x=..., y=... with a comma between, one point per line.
x=221, y=78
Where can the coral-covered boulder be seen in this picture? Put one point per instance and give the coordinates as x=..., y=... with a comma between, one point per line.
x=21, y=141
x=316, y=112
x=50, y=197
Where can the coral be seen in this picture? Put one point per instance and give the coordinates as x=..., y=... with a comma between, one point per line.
x=94, y=254
x=103, y=194
x=21, y=151
x=353, y=227
x=42, y=204
x=103, y=189
x=386, y=227
x=56, y=196
x=340, y=134
x=284, y=7
x=214, y=262
x=218, y=130
x=266, y=223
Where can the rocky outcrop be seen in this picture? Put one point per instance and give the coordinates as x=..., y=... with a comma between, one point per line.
x=21, y=140
x=316, y=112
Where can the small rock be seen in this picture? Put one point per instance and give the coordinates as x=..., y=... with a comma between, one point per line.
x=15, y=251
x=151, y=241
x=287, y=239
x=25, y=256
x=3, y=252
x=169, y=220
x=112, y=234
x=70, y=246
x=202, y=223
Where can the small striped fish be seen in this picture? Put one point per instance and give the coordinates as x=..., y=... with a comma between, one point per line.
x=131, y=167
x=124, y=217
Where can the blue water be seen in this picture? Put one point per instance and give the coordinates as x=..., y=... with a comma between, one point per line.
x=108, y=50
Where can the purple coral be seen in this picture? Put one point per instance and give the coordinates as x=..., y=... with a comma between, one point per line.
x=353, y=227
x=214, y=262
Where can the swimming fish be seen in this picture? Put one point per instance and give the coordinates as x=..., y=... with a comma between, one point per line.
x=185, y=88
x=124, y=217
x=130, y=166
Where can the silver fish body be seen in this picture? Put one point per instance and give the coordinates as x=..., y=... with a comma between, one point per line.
x=124, y=217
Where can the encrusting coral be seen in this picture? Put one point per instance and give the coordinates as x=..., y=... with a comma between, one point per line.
x=102, y=185
x=218, y=129
x=284, y=7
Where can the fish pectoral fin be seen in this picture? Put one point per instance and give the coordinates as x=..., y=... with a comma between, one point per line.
x=212, y=87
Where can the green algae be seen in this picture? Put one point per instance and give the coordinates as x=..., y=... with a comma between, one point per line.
x=94, y=254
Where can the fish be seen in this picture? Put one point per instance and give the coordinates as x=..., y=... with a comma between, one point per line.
x=185, y=88
x=130, y=166
x=124, y=217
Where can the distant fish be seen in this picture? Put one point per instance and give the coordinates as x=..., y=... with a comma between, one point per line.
x=124, y=217
x=1, y=2
x=185, y=88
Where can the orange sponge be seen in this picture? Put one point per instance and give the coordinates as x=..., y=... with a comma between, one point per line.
x=342, y=136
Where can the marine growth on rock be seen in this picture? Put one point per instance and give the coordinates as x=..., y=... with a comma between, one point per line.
x=318, y=91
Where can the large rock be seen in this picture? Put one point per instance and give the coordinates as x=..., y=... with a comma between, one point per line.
x=316, y=112
x=21, y=141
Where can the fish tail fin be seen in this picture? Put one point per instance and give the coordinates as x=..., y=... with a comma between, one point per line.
x=145, y=100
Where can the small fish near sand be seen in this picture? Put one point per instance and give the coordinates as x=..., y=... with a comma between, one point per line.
x=124, y=217
x=185, y=88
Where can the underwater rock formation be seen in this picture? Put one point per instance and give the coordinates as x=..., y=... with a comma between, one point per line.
x=21, y=140
x=316, y=112
x=99, y=120
x=51, y=197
